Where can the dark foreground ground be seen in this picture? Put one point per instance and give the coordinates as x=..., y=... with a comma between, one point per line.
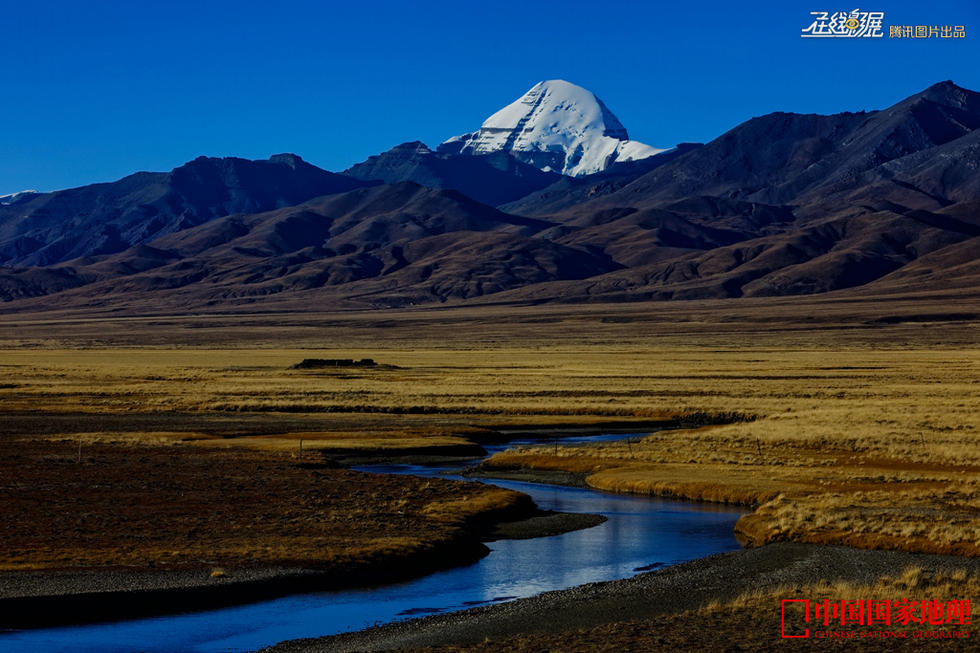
x=128, y=529
x=658, y=611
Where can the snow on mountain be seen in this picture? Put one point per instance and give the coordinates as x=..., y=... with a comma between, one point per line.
x=555, y=126
x=10, y=198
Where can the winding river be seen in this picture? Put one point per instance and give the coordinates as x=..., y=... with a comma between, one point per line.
x=641, y=533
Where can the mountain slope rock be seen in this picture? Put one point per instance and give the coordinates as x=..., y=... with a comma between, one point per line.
x=50, y=228
x=492, y=179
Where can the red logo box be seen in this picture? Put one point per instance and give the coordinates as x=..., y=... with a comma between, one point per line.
x=794, y=617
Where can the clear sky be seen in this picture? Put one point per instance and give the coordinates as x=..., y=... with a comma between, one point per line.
x=92, y=91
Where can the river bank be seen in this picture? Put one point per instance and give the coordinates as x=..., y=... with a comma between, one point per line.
x=657, y=610
x=107, y=528
x=83, y=546
x=39, y=599
x=641, y=533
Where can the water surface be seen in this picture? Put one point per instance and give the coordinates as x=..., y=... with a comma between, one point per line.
x=640, y=533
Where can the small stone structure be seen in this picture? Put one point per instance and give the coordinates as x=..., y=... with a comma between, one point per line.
x=313, y=363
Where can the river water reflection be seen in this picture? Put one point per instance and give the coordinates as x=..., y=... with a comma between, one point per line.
x=640, y=533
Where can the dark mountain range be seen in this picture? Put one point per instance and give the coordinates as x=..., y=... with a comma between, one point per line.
x=787, y=204
x=49, y=228
x=831, y=255
x=883, y=201
x=566, y=192
x=492, y=178
x=780, y=157
x=423, y=244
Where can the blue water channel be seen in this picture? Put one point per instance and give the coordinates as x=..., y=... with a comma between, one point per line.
x=641, y=533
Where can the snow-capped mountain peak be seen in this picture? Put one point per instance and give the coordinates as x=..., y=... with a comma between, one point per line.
x=555, y=126
x=10, y=198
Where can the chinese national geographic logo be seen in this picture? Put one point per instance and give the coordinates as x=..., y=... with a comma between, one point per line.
x=872, y=619
x=842, y=24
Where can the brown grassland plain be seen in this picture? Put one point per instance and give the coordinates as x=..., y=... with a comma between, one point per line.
x=861, y=417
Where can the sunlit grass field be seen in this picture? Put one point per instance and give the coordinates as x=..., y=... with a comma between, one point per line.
x=912, y=405
x=866, y=436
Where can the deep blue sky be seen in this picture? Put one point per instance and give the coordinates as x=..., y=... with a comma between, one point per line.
x=96, y=90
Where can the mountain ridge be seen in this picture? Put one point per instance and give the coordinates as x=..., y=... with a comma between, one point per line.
x=781, y=204
x=108, y=217
x=493, y=179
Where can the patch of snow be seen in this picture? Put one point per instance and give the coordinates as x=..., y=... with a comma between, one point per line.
x=10, y=198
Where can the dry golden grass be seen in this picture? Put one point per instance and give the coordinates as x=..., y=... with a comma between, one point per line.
x=872, y=442
x=753, y=618
x=913, y=581
x=874, y=448
x=139, y=504
x=484, y=501
x=943, y=521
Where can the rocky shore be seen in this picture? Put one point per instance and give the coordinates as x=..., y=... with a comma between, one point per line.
x=34, y=599
x=557, y=618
